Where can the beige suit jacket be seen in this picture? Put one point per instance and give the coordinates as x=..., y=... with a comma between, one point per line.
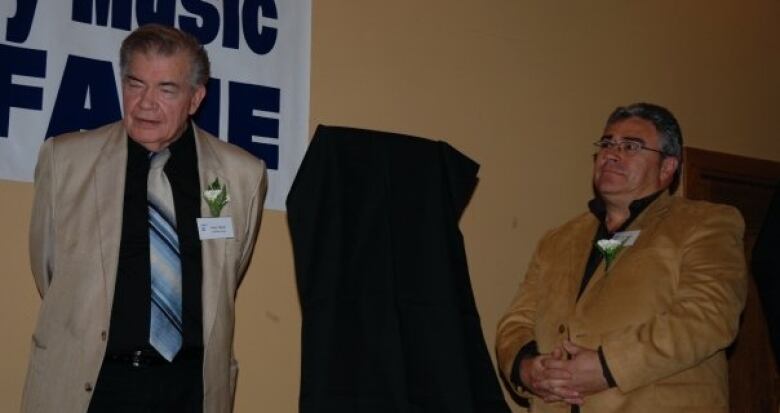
x=74, y=246
x=662, y=314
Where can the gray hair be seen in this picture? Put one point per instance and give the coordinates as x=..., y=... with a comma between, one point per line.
x=666, y=125
x=166, y=41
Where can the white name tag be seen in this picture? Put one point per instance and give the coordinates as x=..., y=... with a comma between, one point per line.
x=627, y=237
x=215, y=228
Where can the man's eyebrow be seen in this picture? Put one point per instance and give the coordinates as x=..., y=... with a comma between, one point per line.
x=131, y=77
x=633, y=138
x=169, y=84
x=625, y=138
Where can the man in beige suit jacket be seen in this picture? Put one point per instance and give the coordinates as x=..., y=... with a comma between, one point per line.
x=78, y=248
x=641, y=327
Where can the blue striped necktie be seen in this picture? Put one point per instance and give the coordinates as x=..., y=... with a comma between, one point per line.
x=165, y=328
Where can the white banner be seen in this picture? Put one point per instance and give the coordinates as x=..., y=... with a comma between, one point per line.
x=59, y=72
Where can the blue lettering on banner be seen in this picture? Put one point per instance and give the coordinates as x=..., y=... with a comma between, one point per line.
x=261, y=39
x=19, y=26
x=260, y=42
x=207, y=32
x=243, y=124
x=87, y=96
x=230, y=32
x=23, y=62
x=85, y=79
x=163, y=13
x=121, y=11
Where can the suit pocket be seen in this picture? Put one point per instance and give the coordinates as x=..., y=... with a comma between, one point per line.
x=38, y=354
x=33, y=393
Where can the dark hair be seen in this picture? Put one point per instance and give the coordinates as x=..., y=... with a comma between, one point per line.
x=666, y=125
x=166, y=41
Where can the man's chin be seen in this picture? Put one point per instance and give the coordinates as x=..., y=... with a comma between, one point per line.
x=148, y=141
x=144, y=138
x=608, y=188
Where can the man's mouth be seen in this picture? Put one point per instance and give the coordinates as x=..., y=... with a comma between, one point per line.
x=612, y=171
x=147, y=122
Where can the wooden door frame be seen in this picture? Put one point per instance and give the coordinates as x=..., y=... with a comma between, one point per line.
x=753, y=377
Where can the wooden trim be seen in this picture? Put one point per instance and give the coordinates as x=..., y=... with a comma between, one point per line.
x=747, y=184
x=701, y=164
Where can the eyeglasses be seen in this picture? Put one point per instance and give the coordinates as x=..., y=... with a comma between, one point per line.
x=627, y=147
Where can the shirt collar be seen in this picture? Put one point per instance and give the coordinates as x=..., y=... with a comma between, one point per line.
x=178, y=147
x=135, y=150
x=598, y=208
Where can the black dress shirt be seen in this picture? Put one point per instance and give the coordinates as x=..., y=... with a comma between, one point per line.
x=599, y=210
x=130, y=312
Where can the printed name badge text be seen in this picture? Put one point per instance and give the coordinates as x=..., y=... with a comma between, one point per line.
x=215, y=228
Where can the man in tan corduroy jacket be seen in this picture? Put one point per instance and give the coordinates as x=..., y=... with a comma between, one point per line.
x=639, y=326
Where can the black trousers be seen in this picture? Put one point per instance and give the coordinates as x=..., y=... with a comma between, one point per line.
x=153, y=388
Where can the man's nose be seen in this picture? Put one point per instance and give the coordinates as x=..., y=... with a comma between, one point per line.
x=148, y=99
x=612, y=154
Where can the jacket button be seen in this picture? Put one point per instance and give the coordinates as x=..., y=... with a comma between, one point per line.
x=561, y=329
x=88, y=386
x=103, y=335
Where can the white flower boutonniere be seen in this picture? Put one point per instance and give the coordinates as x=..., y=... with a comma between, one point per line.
x=609, y=249
x=216, y=195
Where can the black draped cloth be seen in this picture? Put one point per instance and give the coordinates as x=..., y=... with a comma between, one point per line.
x=389, y=319
x=765, y=266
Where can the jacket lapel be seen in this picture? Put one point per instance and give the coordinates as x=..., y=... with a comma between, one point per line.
x=579, y=251
x=213, y=251
x=647, y=224
x=110, y=174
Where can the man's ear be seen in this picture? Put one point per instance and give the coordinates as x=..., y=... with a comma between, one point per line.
x=197, y=98
x=669, y=165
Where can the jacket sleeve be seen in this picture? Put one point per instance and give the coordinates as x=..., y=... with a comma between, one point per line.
x=254, y=216
x=41, y=241
x=704, y=315
x=516, y=327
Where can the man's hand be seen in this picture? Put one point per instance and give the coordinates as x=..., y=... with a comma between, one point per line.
x=585, y=373
x=549, y=383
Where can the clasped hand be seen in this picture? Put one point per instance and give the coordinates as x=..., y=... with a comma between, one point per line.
x=568, y=374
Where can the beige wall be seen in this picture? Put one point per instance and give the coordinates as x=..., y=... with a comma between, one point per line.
x=521, y=87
